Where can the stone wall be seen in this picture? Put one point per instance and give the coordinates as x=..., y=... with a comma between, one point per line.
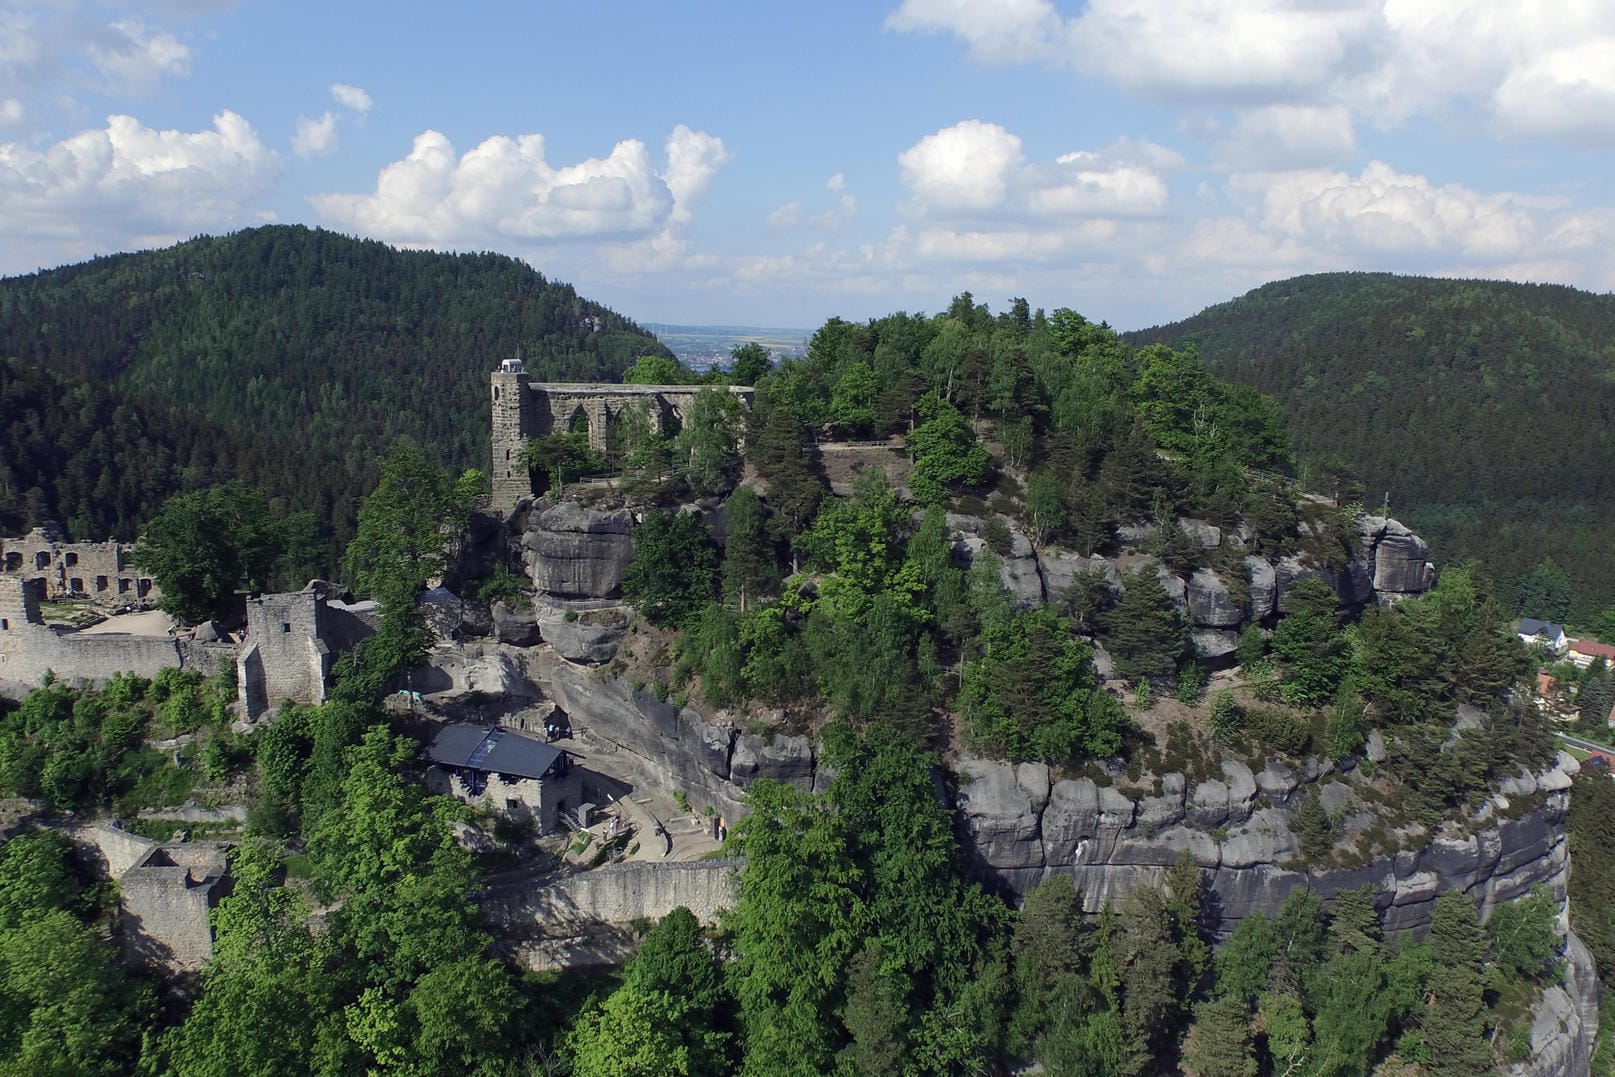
x=285, y=654
x=164, y=903
x=165, y=893
x=29, y=648
x=522, y=409
x=618, y=894
x=99, y=571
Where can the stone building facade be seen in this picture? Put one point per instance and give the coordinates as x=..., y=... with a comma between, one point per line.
x=101, y=572
x=525, y=779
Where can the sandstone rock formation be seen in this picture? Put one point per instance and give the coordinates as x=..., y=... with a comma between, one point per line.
x=1022, y=826
x=573, y=552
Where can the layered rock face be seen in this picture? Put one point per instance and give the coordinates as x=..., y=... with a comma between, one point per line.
x=1021, y=827
x=711, y=760
x=1391, y=563
x=576, y=553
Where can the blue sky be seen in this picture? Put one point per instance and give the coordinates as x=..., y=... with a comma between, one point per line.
x=775, y=164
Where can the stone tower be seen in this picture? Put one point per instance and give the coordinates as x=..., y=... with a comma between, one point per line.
x=512, y=422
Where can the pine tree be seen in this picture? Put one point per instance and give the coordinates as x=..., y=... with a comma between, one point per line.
x=1221, y=1043
x=1143, y=632
x=749, y=572
x=1454, y=1021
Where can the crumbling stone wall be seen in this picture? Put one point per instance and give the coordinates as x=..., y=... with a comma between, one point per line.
x=164, y=903
x=285, y=654
x=618, y=894
x=29, y=647
x=99, y=571
x=165, y=893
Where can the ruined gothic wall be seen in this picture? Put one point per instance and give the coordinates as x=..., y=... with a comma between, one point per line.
x=99, y=571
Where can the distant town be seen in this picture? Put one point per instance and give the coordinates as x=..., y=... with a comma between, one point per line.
x=703, y=346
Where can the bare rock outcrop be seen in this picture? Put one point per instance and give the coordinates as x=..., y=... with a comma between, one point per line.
x=574, y=552
x=1237, y=829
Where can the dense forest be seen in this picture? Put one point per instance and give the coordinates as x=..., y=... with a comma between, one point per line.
x=286, y=357
x=860, y=940
x=1483, y=409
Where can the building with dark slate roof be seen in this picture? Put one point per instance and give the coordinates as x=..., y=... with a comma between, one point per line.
x=517, y=775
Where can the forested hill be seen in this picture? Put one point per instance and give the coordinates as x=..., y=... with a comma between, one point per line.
x=286, y=356
x=1483, y=408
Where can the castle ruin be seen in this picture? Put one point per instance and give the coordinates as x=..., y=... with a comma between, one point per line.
x=525, y=409
x=98, y=572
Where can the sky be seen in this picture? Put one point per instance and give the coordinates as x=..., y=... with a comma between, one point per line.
x=777, y=164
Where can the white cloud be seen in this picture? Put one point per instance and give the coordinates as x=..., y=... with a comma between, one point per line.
x=1275, y=137
x=1539, y=70
x=794, y=215
x=974, y=171
x=128, y=183
x=1384, y=212
x=964, y=167
x=314, y=138
x=1005, y=31
x=134, y=59
x=836, y=183
x=693, y=160
x=1568, y=93
x=11, y=112
x=351, y=97
x=504, y=188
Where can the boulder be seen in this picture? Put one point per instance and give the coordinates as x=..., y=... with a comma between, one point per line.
x=1000, y=817
x=1216, y=645
x=515, y=625
x=1205, y=535
x=1175, y=590
x=1059, y=567
x=206, y=632
x=1276, y=781
x=1263, y=588
x=582, y=641
x=1399, y=558
x=1241, y=790
x=785, y=759
x=1210, y=605
x=1376, y=748
x=574, y=552
x=1208, y=807
x=1071, y=818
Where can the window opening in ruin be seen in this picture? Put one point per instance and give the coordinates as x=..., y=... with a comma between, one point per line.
x=5, y=625
x=70, y=559
x=511, y=804
x=41, y=559
x=123, y=587
x=100, y=583
x=496, y=392
x=76, y=585
x=13, y=561
x=144, y=588
x=286, y=626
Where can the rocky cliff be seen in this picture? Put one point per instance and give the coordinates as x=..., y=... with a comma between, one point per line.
x=1022, y=825
x=576, y=558
x=1388, y=563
